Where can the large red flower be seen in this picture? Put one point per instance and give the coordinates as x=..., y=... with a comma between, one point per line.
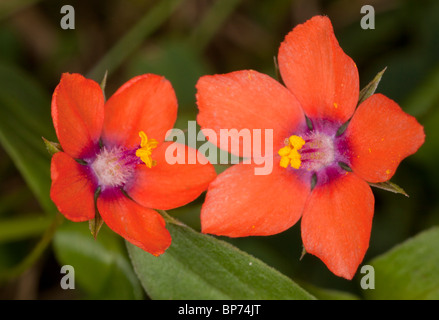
x=310, y=177
x=113, y=158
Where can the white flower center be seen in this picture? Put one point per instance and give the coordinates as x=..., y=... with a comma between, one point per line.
x=113, y=167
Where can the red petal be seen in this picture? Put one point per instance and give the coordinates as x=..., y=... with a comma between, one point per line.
x=239, y=203
x=381, y=135
x=141, y=226
x=167, y=186
x=78, y=114
x=247, y=100
x=317, y=71
x=145, y=103
x=337, y=222
x=72, y=190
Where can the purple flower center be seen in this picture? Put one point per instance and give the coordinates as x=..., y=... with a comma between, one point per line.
x=319, y=153
x=114, y=167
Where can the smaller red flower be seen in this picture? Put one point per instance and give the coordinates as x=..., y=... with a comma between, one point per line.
x=113, y=158
x=310, y=178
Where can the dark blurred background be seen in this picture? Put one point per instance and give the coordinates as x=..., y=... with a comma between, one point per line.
x=184, y=40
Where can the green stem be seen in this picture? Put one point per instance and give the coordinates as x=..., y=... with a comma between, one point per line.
x=170, y=219
x=23, y=227
x=134, y=38
x=212, y=21
x=36, y=253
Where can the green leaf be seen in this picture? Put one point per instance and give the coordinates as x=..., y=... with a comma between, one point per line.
x=408, y=271
x=24, y=119
x=198, y=266
x=329, y=294
x=369, y=90
x=22, y=227
x=101, y=266
x=389, y=186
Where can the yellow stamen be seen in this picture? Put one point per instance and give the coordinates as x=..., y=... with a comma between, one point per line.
x=297, y=142
x=145, y=150
x=285, y=151
x=290, y=154
x=284, y=162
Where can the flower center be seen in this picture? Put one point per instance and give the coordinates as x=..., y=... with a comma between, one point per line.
x=313, y=151
x=114, y=167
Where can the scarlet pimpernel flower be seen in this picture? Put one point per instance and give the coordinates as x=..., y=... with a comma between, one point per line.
x=320, y=172
x=113, y=161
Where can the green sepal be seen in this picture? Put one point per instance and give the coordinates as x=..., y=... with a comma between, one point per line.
x=96, y=223
x=52, y=147
x=389, y=186
x=369, y=90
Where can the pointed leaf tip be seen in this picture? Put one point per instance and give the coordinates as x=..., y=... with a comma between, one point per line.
x=52, y=147
x=369, y=90
x=389, y=186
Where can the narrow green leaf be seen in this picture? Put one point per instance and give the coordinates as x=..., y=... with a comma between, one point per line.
x=198, y=266
x=23, y=227
x=369, y=90
x=24, y=119
x=35, y=254
x=389, y=186
x=409, y=271
x=218, y=12
x=134, y=37
x=101, y=266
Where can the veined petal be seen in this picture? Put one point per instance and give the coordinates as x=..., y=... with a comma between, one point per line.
x=380, y=136
x=317, y=71
x=174, y=180
x=72, y=190
x=141, y=226
x=239, y=203
x=247, y=100
x=145, y=103
x=337, y=222
x=78, y=114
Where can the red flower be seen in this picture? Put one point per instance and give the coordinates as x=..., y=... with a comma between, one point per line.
x=116, y=151
x=308, y=179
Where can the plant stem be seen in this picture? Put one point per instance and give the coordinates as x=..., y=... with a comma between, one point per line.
x=35, y=254
x=134, y=38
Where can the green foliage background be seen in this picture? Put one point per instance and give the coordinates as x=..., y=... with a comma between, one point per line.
x=183, y=40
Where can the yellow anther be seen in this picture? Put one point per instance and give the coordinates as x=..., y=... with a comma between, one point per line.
x=297, y=142
x=335, y=105
x=285, y=151
x=290, y=154
x=145, y=150
x=295, y=160
x=284, y=162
